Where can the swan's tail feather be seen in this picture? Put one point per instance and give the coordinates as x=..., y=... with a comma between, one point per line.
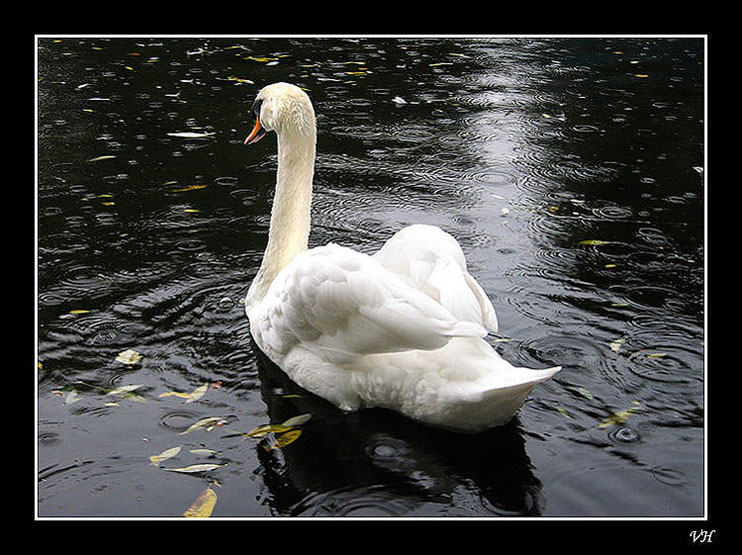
x=497, y=405
x=538, y=376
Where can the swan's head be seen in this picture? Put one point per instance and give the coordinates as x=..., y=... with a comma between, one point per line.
x=283, y=108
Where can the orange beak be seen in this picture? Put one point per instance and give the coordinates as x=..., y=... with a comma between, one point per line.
x=257, y=133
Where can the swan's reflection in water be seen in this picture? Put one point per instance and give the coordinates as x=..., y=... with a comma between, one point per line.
x=375, y=463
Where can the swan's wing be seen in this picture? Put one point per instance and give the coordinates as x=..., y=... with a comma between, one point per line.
x=432, y=261
x=343, y=304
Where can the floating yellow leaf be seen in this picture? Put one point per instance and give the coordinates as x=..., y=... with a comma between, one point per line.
x=194, y=395
x=195, y=468
x=129, y=356
x=81, y=311
x=175, y=394
x=266, y=429
x=203, y=506
x=641, y=75
x=124, y=389
x=256, y=59
x=563, y=412
x=197, y=393
x=297, y=420
x=166, y=454
x=584, y=392
x=189, y=188
x=283, y=440
x=619, y=417
x=240, y=80
x=616, y=345
x=204, y=451
x=100, y=158
x=286, y=426
x=207, y=423
x=597, y=242
x=72, y=397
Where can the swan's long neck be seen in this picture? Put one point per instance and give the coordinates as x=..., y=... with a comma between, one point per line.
x=290, y=216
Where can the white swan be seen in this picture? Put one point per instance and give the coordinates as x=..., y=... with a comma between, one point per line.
x=402, y=329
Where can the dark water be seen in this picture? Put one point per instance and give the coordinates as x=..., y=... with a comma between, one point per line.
x=570, y=170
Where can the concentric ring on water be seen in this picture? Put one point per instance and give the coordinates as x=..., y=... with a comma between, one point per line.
x=358, y=501
x=578, y=353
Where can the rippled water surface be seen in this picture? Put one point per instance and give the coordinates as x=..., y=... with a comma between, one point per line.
x=570, y=170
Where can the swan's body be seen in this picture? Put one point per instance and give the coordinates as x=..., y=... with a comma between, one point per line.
x=402, y=329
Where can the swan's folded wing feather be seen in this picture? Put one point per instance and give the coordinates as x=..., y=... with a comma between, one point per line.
x=347, y=305
x=432, y=261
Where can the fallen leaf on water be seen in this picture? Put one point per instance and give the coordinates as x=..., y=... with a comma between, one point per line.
x=175, y=394
x=616, y=345
x=585, y=393
x=195, y=468
x=619, y=417
x=124, y=389
x=189, y=188
x=266, y=429
x=203, y=506
x=297, y=420
x=596, y=242
x=286, y=426
x=563, y=412
x=283, y=440
x=204, y=451
x=240, y=80
x=129, y=356
x=207, y=423
x=257, y=59
x=166, y=454
x=100, y=158
x=72, y=397
x=194, y=395
x=197, y=393
x=127, y=392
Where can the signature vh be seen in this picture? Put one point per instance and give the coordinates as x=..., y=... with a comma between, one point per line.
x=702, y=536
